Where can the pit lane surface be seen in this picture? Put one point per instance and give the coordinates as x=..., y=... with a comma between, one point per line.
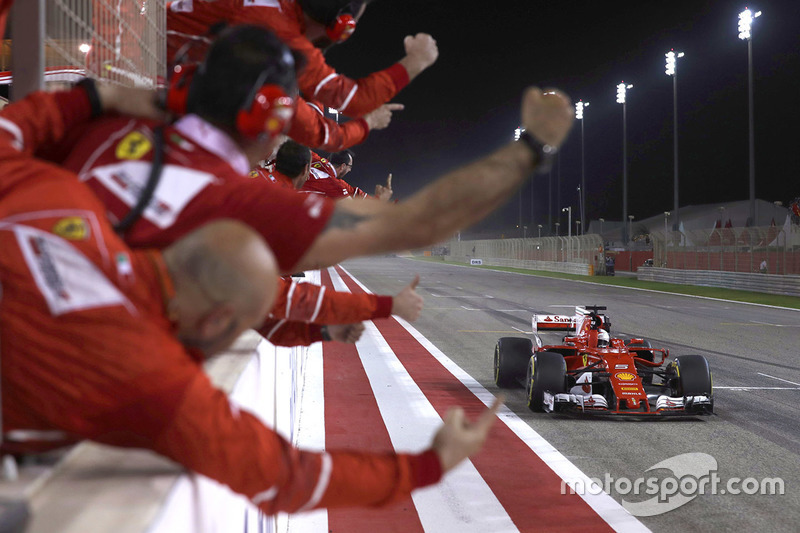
x=753, y=355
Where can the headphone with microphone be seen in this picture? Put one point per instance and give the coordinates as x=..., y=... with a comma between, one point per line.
x=343, y=25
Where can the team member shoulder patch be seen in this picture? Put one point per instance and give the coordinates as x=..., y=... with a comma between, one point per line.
x=133, y=146
x=72, y=229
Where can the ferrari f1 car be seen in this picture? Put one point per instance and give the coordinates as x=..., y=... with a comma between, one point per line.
x=592, y=372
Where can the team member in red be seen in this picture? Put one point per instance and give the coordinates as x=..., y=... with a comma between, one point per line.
x=310, y=127
x=109, y=366
x=207, y=151
x=308, y=302
x=301, y=24
x=326, y=177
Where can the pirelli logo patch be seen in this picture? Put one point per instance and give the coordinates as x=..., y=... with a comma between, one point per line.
x=72, y=229
x=133, y=146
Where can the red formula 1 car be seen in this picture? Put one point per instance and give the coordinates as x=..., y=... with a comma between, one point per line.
x=591, y=372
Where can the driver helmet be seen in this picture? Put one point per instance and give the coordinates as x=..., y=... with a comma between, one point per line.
x=603, y=339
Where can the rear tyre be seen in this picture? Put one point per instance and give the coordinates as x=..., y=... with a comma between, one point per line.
x=547, y=371
x=511, y=355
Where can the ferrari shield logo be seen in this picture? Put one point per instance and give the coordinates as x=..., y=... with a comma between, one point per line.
x=133, y=146
x=72, y=229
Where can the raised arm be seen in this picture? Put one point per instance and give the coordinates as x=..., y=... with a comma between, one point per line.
x=450, y=203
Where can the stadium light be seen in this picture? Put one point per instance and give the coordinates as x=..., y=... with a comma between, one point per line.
x=568, y=210
x=84, y=48
x=746, y=18
x=579, y=107
x=622, y=90
x=672, y=70
x=518, y=133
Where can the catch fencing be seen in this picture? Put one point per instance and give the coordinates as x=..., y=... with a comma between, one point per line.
x=122, y=41
x=766, y=250
x=579, y=254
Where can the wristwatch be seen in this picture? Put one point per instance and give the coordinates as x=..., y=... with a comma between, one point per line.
x=544, y=153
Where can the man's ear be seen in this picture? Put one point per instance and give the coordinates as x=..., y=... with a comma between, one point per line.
x=217, y=321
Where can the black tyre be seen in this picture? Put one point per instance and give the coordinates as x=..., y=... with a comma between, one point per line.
x=691, y=376
x=511, y=355
x=547, y=371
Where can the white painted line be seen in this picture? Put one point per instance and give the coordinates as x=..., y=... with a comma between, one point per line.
x=779, y=379
x=775, y=325
x=523, y=332
x=462, y=501
x=748, y=388
x=485, y=297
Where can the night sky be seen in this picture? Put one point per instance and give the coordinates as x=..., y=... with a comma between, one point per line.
x=467, y=104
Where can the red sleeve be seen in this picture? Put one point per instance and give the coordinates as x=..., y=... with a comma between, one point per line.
x=267, y=210
x=311, y=129
x=354, y=98
x=216, y=439
x=43, y=118
x=282, y=332
x=308, y=302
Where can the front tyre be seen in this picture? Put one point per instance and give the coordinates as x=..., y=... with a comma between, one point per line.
x=547, y=371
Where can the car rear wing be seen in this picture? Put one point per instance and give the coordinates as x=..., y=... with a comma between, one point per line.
x=565, y=322
x=554, y=323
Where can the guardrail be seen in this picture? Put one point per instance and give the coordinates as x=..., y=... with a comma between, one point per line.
x=745, y=281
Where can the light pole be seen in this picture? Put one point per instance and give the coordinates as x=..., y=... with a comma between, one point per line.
x=580, y=202
x=557, y=224
x=745, y=26
x=568, y=210
x=602, y=220
x=577, y=227
x=672, y=70
x=630, y=227
x=622, y=89
x=579, y=107
x=517, y=135
x=540, y=231
x=666, y=216
x=524, y=232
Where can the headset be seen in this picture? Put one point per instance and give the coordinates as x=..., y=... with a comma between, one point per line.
x=339, y=22
x=343, y=26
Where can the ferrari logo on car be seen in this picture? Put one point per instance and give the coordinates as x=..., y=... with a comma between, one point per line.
x=134, y=146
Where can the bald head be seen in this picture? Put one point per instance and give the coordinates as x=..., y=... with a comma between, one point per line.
x=225, y=279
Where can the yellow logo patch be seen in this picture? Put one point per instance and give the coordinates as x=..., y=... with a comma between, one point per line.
x=626, y=376
x=133, y=146
x=72, y=228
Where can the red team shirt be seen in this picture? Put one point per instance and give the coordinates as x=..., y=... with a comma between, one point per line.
x=109, y=367
x=317, y=81
x=322, y=180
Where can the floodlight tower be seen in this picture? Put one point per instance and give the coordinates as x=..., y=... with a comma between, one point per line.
x=622, y=90
x=579, y=107
x=672, y=70
x=746, y=18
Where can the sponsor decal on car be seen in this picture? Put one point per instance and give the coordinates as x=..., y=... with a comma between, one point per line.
x=620, y=367
x=625, y=376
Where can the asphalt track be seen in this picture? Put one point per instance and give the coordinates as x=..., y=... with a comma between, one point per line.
x=753, y=353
